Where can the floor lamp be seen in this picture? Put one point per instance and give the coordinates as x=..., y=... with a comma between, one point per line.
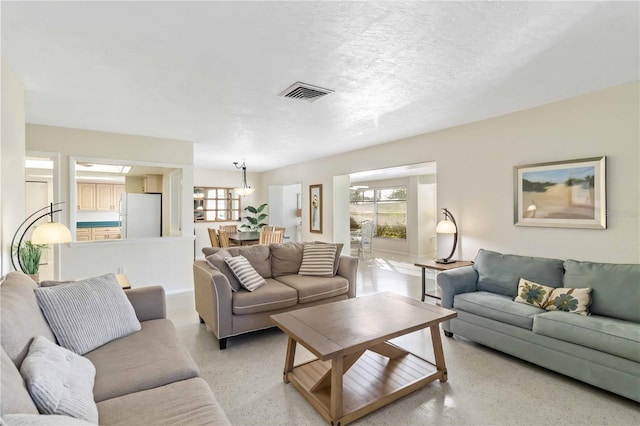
x=46, y=233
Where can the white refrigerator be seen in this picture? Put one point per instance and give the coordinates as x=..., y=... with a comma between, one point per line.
x=140, y=215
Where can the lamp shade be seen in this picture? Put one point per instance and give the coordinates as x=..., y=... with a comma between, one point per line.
x=244, y=190
x=51, y=233
x=445, y=226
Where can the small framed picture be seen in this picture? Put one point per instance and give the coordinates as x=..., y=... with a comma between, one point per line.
x=562, y=194
x=315, y=208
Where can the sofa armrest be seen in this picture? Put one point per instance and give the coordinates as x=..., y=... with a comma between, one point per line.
x=456, y=281
x=213, y=297
x=148, y=302
x=348, y=268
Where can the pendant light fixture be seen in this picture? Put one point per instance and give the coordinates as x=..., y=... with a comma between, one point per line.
x=244, y=188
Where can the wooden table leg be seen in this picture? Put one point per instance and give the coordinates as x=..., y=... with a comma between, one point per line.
x=289, y=359
x=438, y=352
x=336, y=389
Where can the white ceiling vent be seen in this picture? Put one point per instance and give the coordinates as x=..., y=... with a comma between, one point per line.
x=305, y=92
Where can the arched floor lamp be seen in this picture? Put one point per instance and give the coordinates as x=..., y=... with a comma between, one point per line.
x=46, y=233
x=448, y=226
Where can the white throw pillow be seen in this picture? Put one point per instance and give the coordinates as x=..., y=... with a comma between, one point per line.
x=246, y=274
x=89, y=313
x=533, y=293
x=59, y=381
x=42, y=420
x=318, y=260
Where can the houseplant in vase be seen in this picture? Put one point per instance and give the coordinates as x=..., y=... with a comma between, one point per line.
x=30, y=255
x=256, y=220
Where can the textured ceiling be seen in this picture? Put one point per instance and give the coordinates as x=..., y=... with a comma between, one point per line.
x=210, y=72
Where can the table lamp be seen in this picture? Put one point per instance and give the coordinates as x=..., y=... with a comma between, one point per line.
x=448, y=226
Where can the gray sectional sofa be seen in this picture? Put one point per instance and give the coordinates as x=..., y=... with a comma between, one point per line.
x=602, y=349
x=147, y=377
x=229, y=310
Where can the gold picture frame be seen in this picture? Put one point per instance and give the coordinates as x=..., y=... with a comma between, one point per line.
x=561, y=194
x=315, y=208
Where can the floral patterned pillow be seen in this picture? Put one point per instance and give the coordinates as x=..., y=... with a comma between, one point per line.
x=574, y=300
x=532, y=293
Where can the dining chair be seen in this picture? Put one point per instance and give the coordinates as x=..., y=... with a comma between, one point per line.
x=213, y=237
x=223, y=237
x=270, y=237
x=229, y=228
x=268, y=228
x=281, y=229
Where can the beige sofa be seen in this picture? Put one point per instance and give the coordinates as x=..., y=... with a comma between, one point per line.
x=147, y=377
x=230, y=313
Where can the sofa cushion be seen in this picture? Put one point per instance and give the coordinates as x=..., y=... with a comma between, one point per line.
x=532, y=293
x=311, y=289
x=318, y=260
x=609, y=335
x=247, y=276
x=208, y=251
x=615, y=287
x=286, y=258
x=22, y=319
x=216, y=261
x=497, y=307
x=273, y=295
x=152, y=357
x=88, y=313
x=15, y=397
x=500, y=273
x=60, y=381
x=573, y=300
x=42, y=420
x=258, y=255
x=188, y=402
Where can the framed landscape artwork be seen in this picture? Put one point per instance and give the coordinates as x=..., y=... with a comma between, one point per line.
x=562, y=194
x=315, y=208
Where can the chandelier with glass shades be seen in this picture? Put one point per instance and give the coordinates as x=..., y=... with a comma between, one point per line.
x=244, y=188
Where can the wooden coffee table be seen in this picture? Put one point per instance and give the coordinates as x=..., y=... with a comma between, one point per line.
x=357, y=371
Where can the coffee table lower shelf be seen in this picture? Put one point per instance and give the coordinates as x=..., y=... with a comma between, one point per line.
x=372, y=382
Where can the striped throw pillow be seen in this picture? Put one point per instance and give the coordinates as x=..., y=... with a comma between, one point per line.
x=318, y=260
x=89, y=313
x=245, y=273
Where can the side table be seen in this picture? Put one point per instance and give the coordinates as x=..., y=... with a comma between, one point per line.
x=432, y=265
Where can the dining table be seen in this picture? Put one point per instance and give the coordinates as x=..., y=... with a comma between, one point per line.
x=244, y=238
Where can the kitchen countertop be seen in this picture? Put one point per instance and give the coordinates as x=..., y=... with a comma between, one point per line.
x=102, y=224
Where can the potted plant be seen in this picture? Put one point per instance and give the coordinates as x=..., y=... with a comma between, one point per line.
x=256, y=220
x=30, y=255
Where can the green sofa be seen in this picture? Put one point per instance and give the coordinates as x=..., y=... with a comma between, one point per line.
x=602, y=349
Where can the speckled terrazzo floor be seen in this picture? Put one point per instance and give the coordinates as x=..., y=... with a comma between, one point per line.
x=485, y=387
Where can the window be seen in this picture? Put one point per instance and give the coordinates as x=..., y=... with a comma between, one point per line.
x=215, y=205
x=385, y=207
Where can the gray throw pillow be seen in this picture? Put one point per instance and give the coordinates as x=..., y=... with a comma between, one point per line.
x=59, y=381
x=89, y=313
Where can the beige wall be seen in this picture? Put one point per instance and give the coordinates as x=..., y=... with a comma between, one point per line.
x=475, y=174
x=164, y=261
x=12, y=153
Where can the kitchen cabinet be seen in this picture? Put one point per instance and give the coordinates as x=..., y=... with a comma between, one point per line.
x=83, y=234
x=105, y=234
x=152, y=184
x=97, y=234
x=99, y=196
x=86, y=195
